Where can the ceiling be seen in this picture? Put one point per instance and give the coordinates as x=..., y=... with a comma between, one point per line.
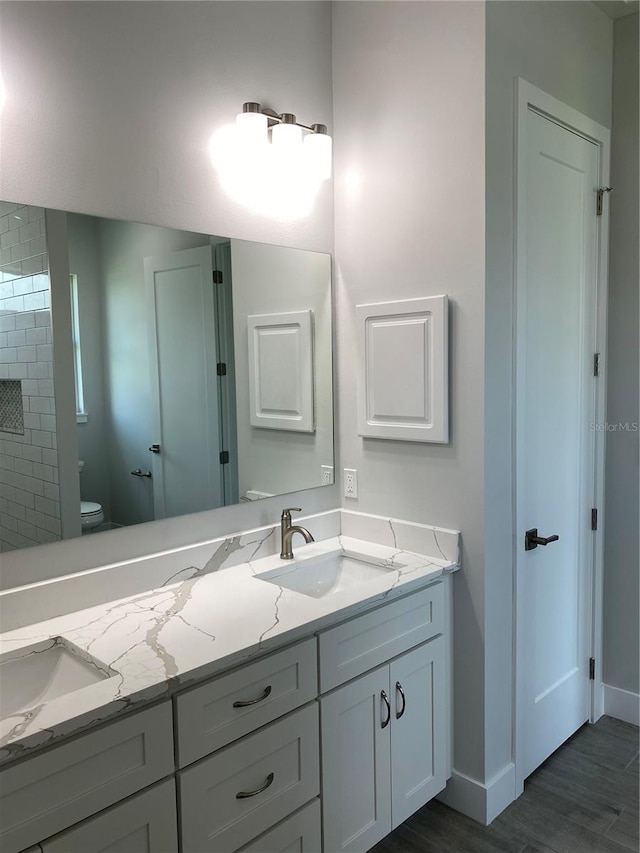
x=618, y=8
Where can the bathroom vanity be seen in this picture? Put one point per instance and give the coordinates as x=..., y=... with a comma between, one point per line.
x=267, y=707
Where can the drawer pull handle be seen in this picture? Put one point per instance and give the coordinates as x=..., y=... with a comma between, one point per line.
x=404, y=701
x=241, y=704
x=385, y=699
x=242, y=795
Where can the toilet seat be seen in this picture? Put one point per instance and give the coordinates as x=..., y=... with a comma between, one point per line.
x=91, y=515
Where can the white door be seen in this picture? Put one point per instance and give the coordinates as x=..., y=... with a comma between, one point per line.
x=356, y=772
x=183, y=365
x=418, y=729
x=556, y=339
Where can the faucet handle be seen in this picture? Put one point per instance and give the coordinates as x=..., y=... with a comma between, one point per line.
x=287, y=512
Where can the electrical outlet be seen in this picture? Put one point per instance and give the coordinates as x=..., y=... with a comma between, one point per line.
x=327, y=475
x=350, y=483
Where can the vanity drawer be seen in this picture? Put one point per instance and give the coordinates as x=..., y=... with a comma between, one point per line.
x=299, y=833
x=144, y=823
x=281, y=762
x=212, y=715
x=51, y=791
x=365, y=642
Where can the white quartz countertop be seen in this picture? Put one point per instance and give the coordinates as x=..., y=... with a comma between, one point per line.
x=157, y=642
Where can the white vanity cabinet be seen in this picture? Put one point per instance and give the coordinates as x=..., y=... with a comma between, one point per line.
x=300, y=833
x=144, y=823
x=229, y=798
x=212, y=715
x=365, y=701
x=384, y=734
x=52, y=791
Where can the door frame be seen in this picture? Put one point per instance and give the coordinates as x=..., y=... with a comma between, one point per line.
x=529, y=97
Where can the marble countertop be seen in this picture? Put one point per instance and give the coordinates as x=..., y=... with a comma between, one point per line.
x=154, y=643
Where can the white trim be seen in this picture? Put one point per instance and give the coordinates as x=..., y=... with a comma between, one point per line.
x=479, y=801
x=528, y=96
x=621, y=704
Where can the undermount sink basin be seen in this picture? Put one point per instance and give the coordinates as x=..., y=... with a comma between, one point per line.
x=327, y=574
x=39, y=673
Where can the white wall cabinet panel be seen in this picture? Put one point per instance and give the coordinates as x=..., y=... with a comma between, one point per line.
x=239, y=792
x=281, y=372
x=418, y=745
x=145, y=823
x=52, y=791
x=300, y=833
x=212, y=715
x=403, y=370
x=356, y=771
x=367, y=641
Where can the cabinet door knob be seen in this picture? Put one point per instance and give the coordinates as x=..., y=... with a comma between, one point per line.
x=385, y=699
x=242, y=795
x=404, y=701
x=245, y=704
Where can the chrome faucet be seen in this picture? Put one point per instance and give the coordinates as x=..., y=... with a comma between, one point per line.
x=287, y=530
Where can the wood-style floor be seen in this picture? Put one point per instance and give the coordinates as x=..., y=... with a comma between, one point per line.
x=583, y=799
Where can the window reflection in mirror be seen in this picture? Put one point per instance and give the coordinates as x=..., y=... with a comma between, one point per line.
x=202, y=374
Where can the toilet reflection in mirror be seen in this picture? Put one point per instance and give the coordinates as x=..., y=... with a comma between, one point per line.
x=145, y=397
x=91, y=513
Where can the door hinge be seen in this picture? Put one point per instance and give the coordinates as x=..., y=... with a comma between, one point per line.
x=217, y=277
x=592, y=669
x=596, y=364
x=594, y=519
x=224, y=457
x=221, y=368
x=599, y=197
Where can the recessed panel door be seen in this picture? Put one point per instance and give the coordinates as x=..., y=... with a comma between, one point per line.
x=555, y=407
x=182, y=331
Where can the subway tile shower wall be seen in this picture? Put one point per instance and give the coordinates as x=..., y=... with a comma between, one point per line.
x=29, y=491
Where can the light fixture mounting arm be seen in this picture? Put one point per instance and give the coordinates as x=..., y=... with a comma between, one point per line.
x=274, y=118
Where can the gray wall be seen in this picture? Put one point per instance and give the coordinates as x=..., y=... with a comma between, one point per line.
x=621, y=628
x=409, y=210
x=565, y=49
x=270, y=280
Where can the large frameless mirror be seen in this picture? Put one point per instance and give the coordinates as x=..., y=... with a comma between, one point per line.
x=147, y=373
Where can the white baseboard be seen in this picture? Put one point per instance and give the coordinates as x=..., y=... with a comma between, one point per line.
x=480, y=801
x=622, y=704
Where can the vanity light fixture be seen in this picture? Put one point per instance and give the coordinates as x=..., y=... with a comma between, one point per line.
x=308, y=144
x=270, y=163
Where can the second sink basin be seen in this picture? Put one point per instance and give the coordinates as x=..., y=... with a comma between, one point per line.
x=327, y=574
x=35, y=674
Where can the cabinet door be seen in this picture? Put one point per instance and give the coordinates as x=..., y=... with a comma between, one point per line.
x=145, y=823
x=356, y=773
x=418, y=728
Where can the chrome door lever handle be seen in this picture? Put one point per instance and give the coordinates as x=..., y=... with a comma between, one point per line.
x=532, y=540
